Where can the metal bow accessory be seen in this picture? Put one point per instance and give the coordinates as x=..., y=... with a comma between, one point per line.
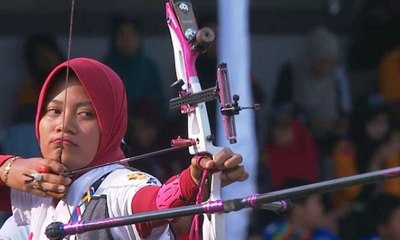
x=188, y=42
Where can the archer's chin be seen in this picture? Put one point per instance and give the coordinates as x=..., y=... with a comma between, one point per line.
x=73, y=160
x=53, y=154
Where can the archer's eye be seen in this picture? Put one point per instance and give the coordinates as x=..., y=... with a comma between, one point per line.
x=86, y=114
x=53, y=112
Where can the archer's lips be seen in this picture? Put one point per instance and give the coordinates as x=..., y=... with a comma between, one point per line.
x=64, y=142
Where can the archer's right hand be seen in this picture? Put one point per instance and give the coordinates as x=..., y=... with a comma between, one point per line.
x=52, y=183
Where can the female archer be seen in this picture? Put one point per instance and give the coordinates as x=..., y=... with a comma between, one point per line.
x=80, y=123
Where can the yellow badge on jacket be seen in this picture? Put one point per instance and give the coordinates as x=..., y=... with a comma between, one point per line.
x=137, y=176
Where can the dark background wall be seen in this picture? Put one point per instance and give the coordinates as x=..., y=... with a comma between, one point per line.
x=92, y=16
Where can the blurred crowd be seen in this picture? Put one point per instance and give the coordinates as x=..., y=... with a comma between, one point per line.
x=326, y=120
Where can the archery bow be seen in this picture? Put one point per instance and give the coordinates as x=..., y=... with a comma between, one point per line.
x=188, y=42
x=184, y=34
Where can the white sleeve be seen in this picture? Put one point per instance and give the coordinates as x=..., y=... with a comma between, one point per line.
x=21, y=204
x=10, y=230
x=120, y=187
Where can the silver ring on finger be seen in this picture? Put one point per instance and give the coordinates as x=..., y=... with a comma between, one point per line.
x=37, y=176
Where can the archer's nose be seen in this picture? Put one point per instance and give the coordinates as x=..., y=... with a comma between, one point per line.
x=67, y=124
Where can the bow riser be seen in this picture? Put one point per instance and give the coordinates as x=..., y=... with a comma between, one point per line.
x=185, y=56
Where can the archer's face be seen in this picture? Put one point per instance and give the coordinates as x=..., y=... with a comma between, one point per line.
x=80, y=135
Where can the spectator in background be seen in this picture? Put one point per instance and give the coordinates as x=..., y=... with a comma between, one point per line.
x=291, y=150
x=42, y=54
x=373, y=144
x=303, y=221
x=389, y=79
x=145, y=134
x=344, y=157
x=126, y=56
x=383, y=213
x=320, y=86
x=377, y=142
x=320, y=89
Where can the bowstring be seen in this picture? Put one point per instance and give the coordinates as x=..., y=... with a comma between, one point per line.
x=69, y=47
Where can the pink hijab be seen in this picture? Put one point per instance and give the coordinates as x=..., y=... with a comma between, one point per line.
x=107, y=93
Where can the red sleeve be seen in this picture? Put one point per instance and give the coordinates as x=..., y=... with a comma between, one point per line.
x=3, y=159
x=5, y=204
x=145, y=200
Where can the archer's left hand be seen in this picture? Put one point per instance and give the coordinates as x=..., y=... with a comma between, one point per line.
x=225, y=161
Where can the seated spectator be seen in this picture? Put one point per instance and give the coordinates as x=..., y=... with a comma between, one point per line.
x=372, y=145
x=290, y=151
x=127, y=57
x=343, y=159
x=147, y=132
x=317, y=84
x=320, y=85
x=383, y=212
x=42, y=54
x=389, y=79
x=377, y=143
x=303, y=221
